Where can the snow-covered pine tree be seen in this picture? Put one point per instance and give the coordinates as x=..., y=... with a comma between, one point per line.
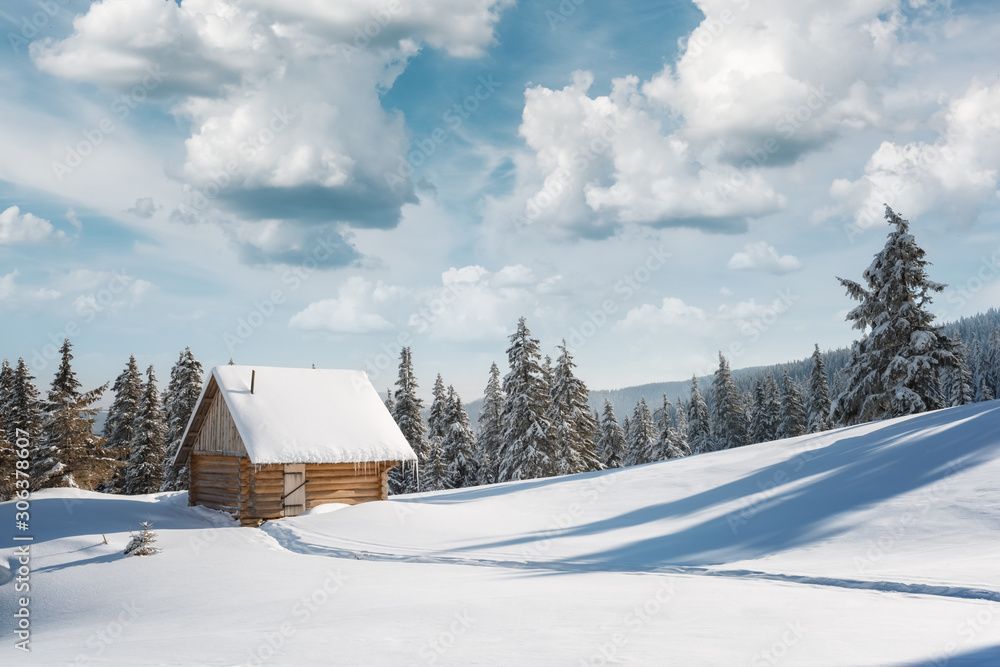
x=573, y=426
x=699, y=424
x=611, y=445
x=528, y=449
x=767, y=411
x=144, y=472
x=70, y=454
x=819, y=396
x=179, y=400
x=389, y=403
x=991, y=361
x=459, y=444
x=668, y=444
x=729, y=426
x=489, y=439
x=119, y=427
x=434, y=475
x=8, y=438
x=757, y=424
x=406, y=412
x=22, y=407
x=680, y=431
x=960, y=387
x=437, y=419
x=642, y=435
x=985, y=393
x=793, y=414
x=895, y=366
x=142, y=544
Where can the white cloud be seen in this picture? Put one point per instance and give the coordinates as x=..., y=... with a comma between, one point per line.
x=672, y=314
x=283, y=99
x=760, y=256
x=144, y=208
x=958, y=172
x=352, y=311
x=7, y=286
x=17, y=227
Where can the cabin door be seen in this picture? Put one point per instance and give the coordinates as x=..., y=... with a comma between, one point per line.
x=295, y=489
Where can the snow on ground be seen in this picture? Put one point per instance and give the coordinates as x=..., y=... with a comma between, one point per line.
x=873, y=545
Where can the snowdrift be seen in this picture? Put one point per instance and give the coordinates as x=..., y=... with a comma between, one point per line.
x=875, y=544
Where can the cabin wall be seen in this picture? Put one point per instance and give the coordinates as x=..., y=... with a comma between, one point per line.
x=347, y=483
x=218, y=434
x=219, y=482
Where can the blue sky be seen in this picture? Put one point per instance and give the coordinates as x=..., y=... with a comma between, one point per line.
x=654, y=181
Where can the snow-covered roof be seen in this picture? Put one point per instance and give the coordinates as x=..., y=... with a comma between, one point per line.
x=306, y=415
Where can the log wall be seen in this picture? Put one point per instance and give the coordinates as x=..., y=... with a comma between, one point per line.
x=218, y=434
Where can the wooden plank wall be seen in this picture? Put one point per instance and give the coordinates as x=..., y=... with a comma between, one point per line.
x=266, y=485
x=218, y=432
x=345, y=483
x=215, y=482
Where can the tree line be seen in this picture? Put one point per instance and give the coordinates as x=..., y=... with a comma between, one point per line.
x=536, y=420
x=141, y=434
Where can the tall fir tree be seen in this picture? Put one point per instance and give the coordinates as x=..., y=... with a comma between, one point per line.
x=528, y=449
x=144, y=472
x=459, y=444
x=438, y=419
x=70, y=454
x=119, y=427
x=681, y=443
x=699, y=424
x=819, y=396
x=407, y=413
x=489, y=439
x=729, y=426
x=896, y=365
x=611, y=446
x=179, y=402
x=767, y=411
x=642, y=435
x=434, y=475
x=793, y=414
x=961, y=390
x=573, y=425
x=8, y=437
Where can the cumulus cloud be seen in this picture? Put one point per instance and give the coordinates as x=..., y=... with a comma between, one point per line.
x=100, y=291
x=673, y=315
x=283, y=99
x=470, y=303
x=760, y=256
x=144, y=208
x=757, y=85
x=352, y=311
x=958, y=172
x=17, y=227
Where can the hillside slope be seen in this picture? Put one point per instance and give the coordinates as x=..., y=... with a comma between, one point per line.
x=872, y=545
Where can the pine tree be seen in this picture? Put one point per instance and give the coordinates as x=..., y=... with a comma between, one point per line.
x=991, y=361
x=69, y=453
x=611, y=446
x=119, y=428
x=528, y=449
x=8, y=437
x=434, y=475
x=642, y=435
x=728, y=412
x=179, y=400
x=895, y=367
x=389, y=403
x=406, y=412
x=573, y=426
x=985, y=393
x=458, y=445
x=793, y=415
x=819, y=396
x=767, y=411
x=437, y=419
x=960, y=387
x=489, y=439
x=144, y=472
x=699, y=426
x=142, y=544
x=680, y=432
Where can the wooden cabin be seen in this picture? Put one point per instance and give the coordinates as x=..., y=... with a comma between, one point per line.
x=265, y=443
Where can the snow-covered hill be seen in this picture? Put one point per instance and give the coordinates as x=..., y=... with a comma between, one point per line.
x=872, y=545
